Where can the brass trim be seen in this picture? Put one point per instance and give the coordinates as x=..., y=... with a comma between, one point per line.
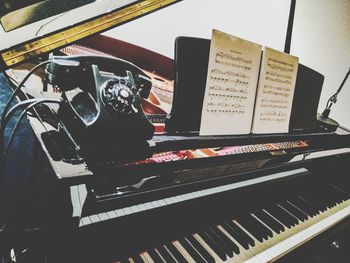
x=68, y=36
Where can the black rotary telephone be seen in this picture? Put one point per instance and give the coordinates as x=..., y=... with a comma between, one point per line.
x=101, y=106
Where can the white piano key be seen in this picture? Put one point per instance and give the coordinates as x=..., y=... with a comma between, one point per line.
x=111, y=214
x=196, y=194
x=77, y=209
x=160, y=255
x=119, y=212
x=103, y=216
x=127, y=210
x=183, y=252
x=190, y=196
x=301, y=237
x=166, y=248
x=81, y=223
x=86, y=221
x=168, y=201
x=82, y=191
x=149, y=205
x=258, y=245
x=162, y=202
x=207, y=248
x=206, y=192
x=134, y=209
x=142, y=207
x=244, y=254
x=144, y=258
x=211, y=191
x=180, y=198
x=174, y=200
x=155, y=204
x=159, y=203
x=94, y=218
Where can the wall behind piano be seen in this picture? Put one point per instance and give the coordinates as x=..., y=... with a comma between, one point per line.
x=264, y=22
x=321, y=38
x=321, y=35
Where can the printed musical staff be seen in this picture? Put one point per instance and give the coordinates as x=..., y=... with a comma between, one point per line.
x=217, y=72
x=231, y=85
x=275, y=92
x=221, y=56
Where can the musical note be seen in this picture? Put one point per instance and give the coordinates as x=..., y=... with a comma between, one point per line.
x=232, y=64
x=275, y=74
x=229, y=80
x=279, y=80
x=275, y=92
x=286, y=95
x=281, y=68
x=231, y=83
x=224, y=104
x=229, y=73
x=287, y=89
x=281, y=62
x=224, y=56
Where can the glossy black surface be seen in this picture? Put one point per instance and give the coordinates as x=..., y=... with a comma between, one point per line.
x=157, y=229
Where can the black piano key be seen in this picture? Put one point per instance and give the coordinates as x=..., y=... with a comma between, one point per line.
x=165, y=254
x=335, y=195
x=192, y=251
x=317, y=201
x=231, y=243
x=322, y=194
x=270, y=221
x=221, y=242
x=204, y=253
x=252, y=230
x=338, y=193
x=314, y=209
x=211, y=243
x=302, y=205
x=173, y=250
x=241, y=233
x=252, y=227
x=266, y=230
x=343, y=187
x=294, y=211
x=155, y=257
x=314, y=203
x=244, y=243
x=280, y=216
x=137, y=259
x=291, y=217
x=320, y=197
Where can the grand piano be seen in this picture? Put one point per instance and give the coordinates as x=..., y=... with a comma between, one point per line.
x=190, y=198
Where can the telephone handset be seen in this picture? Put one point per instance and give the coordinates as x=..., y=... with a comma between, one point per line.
x=102, y=100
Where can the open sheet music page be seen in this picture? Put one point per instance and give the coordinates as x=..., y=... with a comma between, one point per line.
x=275, y=92
x=231, y=85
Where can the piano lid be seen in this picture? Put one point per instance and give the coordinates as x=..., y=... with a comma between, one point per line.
x=35, y=27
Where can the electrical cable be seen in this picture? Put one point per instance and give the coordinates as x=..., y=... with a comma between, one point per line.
x=2, y=131
x=27, y=104
x=18, y=88
x=5, y=116
x=2, y=190
x=16, y=126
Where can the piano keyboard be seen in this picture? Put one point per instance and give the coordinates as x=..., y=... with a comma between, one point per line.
x=262, y=235
x=121, y=212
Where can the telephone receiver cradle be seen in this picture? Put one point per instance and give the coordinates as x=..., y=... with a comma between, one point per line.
x=101, y=106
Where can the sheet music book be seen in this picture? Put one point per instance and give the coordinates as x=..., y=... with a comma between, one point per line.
x=275, y=92
x=230, y=91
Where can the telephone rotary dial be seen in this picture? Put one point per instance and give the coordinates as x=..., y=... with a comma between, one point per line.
x=119, y=98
